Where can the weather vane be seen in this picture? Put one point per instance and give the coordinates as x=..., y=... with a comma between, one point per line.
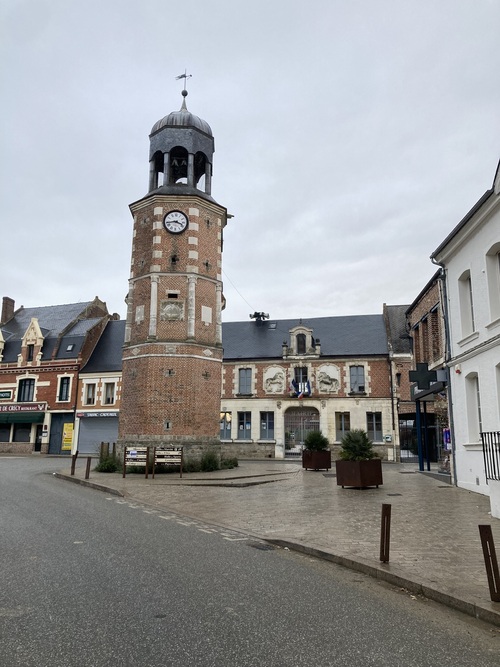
x=184, y=76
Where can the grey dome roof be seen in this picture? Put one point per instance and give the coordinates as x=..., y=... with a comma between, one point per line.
x=182, y=118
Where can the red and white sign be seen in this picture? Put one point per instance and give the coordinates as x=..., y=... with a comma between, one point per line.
x=24, y=407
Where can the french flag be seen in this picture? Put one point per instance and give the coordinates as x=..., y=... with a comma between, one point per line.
x=306, y=391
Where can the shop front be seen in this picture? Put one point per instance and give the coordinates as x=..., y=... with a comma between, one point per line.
x=21, y=427
x=94, y=428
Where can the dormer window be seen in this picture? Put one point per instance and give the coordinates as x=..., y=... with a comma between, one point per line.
x=302, y=342
x=32, y=342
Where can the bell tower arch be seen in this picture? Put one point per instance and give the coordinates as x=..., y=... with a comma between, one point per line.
x=172, y=355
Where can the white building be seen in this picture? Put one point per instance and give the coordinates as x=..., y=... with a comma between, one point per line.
x=470, y=256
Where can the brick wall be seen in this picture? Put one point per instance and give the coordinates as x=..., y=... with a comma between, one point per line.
x=427, y=327
x=171, y=381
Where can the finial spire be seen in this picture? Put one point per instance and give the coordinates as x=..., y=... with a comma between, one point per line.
x=184, y=93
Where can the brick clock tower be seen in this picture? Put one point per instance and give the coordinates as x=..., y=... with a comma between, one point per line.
x=172, y=358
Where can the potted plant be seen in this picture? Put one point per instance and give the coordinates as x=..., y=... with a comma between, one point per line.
x=359, y=465
x=316, y=455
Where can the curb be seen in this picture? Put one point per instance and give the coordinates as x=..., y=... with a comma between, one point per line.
x=92, y=485
x=482, y=612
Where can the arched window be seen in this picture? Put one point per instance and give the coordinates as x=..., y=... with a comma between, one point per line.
x=466, y=303
x=474, y=420
x=178, y=165
x=493, y=277
x=200, y=166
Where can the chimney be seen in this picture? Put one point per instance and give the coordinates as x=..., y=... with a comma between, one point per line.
x=7, y=309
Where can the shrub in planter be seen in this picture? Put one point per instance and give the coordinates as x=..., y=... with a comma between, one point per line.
x=356, y=446
x=108, y=464
x=316, y=455
x=359, y=465
x=316, y=442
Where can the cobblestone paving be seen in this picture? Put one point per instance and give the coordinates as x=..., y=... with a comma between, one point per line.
x=434, y=526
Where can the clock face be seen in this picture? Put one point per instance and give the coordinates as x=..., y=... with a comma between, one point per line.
x=175, y=222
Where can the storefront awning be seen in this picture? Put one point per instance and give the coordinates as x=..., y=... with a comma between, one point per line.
x=21, y=417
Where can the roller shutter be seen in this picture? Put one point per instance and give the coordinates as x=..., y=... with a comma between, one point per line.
x=94, y=431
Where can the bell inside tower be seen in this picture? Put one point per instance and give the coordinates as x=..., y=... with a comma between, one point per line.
x=178, y=167
x=182, y=168
x=181, y=151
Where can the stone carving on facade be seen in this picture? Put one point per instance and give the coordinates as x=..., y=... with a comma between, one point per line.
x=139, y=314
x=328, y=378
x=170, y=311
x=274, y=380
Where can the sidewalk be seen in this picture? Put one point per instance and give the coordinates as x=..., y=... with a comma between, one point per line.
x=435, y=546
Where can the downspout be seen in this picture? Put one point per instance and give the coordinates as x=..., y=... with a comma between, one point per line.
x=390, y=363
x=447, y=357
x=393, y=413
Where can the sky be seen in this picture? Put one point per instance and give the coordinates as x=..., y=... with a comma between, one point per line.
x=351, y=137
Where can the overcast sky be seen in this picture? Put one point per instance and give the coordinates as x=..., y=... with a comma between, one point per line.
x=351, y=137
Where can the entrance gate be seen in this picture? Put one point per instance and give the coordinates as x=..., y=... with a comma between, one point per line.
x=298, y=423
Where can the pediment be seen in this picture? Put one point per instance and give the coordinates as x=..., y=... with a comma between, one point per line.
x=33, y=334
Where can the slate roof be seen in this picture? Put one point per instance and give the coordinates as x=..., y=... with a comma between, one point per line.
x=342, y=336
x=107, y=355
x=53, y=320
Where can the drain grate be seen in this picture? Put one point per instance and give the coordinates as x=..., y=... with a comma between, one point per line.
x=446, y=486
x=407, y=472
x=329, y=474
x=262, y=546
x=394, y=494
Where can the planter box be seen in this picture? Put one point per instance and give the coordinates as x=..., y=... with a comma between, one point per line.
x=359, y=473
x=316, y=460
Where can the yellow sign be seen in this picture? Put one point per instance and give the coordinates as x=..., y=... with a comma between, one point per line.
x=67, y=440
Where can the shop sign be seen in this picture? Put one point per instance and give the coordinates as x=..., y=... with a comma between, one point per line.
x=6, y=395
x=86, y=415
x=23, y=407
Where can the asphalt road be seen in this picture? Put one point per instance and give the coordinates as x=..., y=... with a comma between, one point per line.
x=92, y=580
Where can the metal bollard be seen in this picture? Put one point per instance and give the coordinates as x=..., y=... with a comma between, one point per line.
x=385, y=533
x=87, y=470
x=73, y=462
x=490, y=562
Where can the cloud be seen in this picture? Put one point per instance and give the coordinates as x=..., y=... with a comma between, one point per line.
x=350, y=139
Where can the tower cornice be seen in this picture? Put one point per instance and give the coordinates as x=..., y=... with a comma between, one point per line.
x=165, y=199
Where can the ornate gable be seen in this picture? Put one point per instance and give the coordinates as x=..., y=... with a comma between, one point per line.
x=31, y=346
